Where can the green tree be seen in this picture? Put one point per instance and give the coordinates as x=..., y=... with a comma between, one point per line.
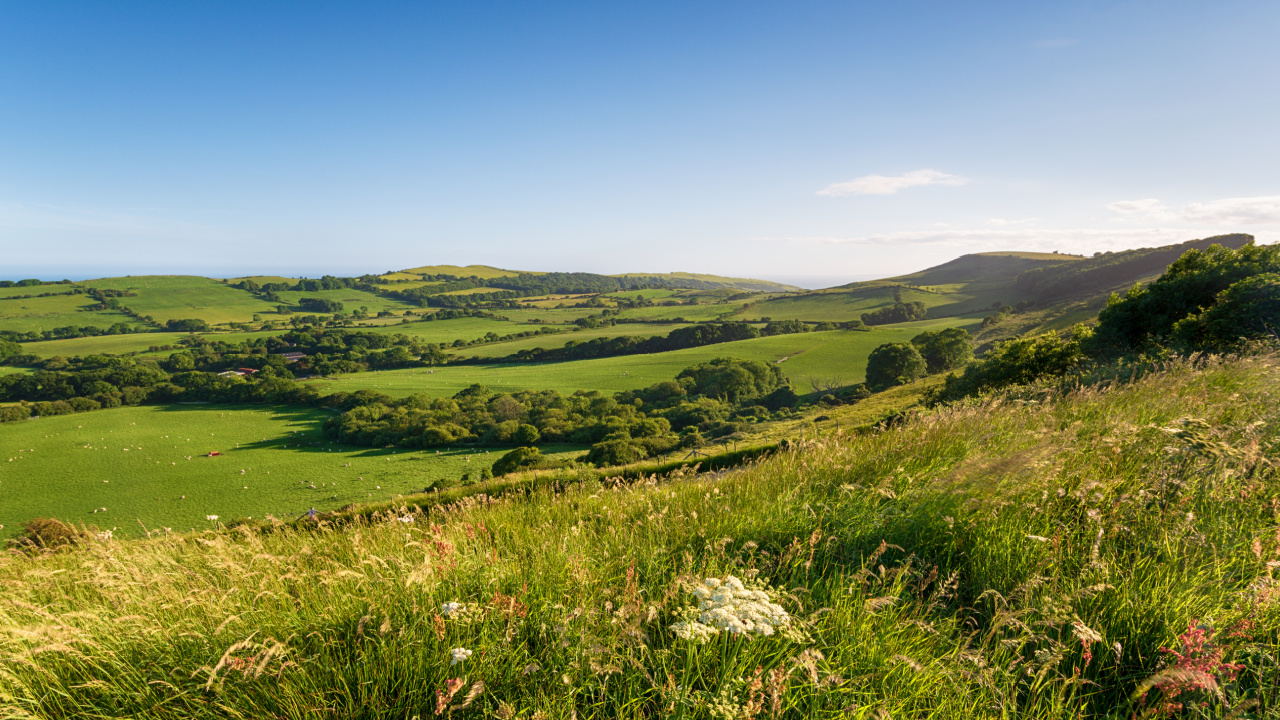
x=944, y=350
x=1248, y=310
x=895, y=364
x=525, y=435
x=1191, y=285
x=518, y=459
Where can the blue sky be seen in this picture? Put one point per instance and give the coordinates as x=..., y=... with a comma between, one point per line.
x=811, y=142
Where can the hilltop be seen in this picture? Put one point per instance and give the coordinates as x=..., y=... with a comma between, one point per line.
x=1055, y=285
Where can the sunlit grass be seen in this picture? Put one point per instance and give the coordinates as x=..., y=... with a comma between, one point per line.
x=1007, y=559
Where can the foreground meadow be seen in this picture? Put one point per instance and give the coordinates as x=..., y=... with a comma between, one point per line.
x=1111, y=553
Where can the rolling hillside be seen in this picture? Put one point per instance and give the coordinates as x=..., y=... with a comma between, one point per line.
x=1056, y=285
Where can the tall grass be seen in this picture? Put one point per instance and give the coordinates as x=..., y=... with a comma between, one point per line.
x=1002, y=559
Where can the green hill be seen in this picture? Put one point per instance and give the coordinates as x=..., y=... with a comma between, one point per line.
x=699, y=281
x=979, y=282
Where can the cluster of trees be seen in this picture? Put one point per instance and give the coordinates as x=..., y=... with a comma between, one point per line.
x=928, y=353
x=678, y=339
x=320, y=305
x=896, y=313
x=1217, y=299
x=708, y=400
x=31, y=282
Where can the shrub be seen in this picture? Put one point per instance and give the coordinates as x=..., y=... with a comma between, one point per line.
x=944, y=350
x=47, y=533
x=1248, y=310
x=519, y=459
x=894, y=364
x=1018, y=362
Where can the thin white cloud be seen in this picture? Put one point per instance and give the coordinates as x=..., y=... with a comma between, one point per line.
x=1065, y=240
x=890, y=184
x=1263, y=210
x=1005, y=222
x=1147, y=208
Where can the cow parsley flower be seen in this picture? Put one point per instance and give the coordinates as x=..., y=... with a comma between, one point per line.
x=210, y=517
x=452, y=607
x=729, y=606
x=406, y=519
x=458, y=655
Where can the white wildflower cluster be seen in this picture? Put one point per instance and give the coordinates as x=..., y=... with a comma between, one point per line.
x=460, y=612
x=406, y=519
x=729, y=606
x=104, y=536
x=458, y=655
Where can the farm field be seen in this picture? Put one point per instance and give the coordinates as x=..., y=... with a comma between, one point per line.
x=557, y=340
x=836, y=354
x=351, y=299
x=46, y=313
x=551, y=316
x=103, y=344
x=178, y=297
x=140, y=462
x=9, y=370
x=446, y=331
x=19, y=291
x=693, y=313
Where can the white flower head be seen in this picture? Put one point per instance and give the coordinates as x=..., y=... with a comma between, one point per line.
x=452, y=607
x=406, y=519
x=729, y=606
x=210, y=517
x=458, y=655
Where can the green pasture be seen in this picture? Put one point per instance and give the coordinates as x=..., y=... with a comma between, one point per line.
x=10, y=370
x=13, y=292
x=833, y=356
x=46, y=313
x=148, y=466
x=547, y=342
x=350, y=299
x=446, y=331
x=692, y=313
x=549, y=315
x=102, y=344
x=178, y=297
x=652, y=293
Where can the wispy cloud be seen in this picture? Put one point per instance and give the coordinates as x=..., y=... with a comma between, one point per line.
x=1027, y=238
x=1147, y=208
x=1263, y=210
x=890, y=184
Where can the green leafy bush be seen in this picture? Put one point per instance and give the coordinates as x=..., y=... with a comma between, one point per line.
x=895, y=364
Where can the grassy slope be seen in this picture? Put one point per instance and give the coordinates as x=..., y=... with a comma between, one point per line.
x=503, y=349
x=944, y=569
x=840, y=355
x=103, y=344
x=47, y=313
x=57, y=466
x=350, y=299
x=177, y=297
x=729, y=282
